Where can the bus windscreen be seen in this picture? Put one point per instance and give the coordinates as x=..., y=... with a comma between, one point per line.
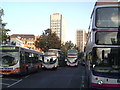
x=106, y=59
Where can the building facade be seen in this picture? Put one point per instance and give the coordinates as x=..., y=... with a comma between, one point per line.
x=81, y=38
x=25, y=40
x=58, y=25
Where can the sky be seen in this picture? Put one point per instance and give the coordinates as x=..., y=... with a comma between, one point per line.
x=33, y=17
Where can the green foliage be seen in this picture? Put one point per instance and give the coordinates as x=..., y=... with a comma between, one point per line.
x=3, y=33
x=4, y=37
x=48, y=41
x=80, y=55
x=68, y=45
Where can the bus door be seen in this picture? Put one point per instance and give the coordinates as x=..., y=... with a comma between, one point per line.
x=22, y=61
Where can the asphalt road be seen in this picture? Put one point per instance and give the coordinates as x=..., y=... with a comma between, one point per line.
x=63, y=77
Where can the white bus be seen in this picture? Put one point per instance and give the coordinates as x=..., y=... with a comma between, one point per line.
x=60, y=55
x=103, y=46
x=72, y=57
x=18, y=60
x=50, y=60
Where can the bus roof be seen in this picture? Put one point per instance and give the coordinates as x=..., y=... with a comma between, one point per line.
x=23, y=48
x=53, y=49
x=103, y=2
x=106, y=3
x=72, y=51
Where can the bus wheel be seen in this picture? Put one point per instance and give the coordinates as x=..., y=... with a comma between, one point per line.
x=38, y=68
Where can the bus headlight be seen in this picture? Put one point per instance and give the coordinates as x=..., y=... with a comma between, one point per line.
x=16, y=71
x=100, y=82
x=54, y=59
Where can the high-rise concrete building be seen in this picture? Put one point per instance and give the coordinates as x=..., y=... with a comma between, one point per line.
x=58, y=25
x=81, y=38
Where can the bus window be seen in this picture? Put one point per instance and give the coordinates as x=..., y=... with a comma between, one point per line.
x=35, y=58
x=107, y=38
x=108, y=17
x=106, y=56
x=27, y=59
x=22, y=57
x=9, y=58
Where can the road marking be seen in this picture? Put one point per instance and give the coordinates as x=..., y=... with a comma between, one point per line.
x=5, y=84
x=82, y=84
x=15, y=83
x=27, y=76
x=10, y=79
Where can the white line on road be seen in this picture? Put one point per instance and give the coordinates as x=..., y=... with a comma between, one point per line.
x=4, y=83
x=27, y=76
x=82, y=84
x=15, y=83
x=9, y=79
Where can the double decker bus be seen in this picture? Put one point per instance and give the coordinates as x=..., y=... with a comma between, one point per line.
x=18, y=60
x=103, y=46
x=72, y=57
x=50, y=60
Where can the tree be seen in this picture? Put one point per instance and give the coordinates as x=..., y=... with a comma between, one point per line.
x=3, y=32
x=68, y=45
x=4, y=37
x=80, y=55
x=47, y=41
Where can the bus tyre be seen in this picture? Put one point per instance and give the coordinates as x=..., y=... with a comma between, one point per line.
x=38, y=68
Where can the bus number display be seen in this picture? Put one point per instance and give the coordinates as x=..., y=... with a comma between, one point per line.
x=7, y=48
